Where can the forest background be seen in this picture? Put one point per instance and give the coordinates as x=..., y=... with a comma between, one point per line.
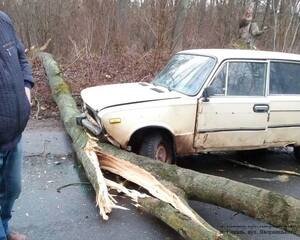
x=115, y=41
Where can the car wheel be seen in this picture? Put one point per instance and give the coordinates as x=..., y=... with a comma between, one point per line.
x=297, y=153
x=158, y=147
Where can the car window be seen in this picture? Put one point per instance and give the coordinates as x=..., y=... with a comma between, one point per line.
x=284, y=78
x=246, y=79
x=219, y=82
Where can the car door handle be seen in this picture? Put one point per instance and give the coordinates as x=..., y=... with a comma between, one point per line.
x=261, y=108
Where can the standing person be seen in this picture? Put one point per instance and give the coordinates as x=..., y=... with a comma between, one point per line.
x=248, y=29
x=15, y=84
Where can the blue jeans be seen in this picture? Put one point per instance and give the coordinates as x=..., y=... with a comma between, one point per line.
x=10, y=185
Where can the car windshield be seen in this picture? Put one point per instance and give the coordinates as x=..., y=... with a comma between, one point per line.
x=185, y=73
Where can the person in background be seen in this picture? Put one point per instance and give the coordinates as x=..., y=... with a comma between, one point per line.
x=15, y=84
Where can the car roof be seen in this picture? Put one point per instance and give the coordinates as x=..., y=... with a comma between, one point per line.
x=222, y=54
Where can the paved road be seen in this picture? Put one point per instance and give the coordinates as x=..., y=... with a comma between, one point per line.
x=43, y=213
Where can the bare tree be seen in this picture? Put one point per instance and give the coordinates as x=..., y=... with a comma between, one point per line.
x=106, y=27
x=181, y=11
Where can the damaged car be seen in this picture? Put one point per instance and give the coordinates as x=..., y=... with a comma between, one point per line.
x=203, y=100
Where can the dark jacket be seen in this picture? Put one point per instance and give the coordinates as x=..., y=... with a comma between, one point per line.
x=15, y=74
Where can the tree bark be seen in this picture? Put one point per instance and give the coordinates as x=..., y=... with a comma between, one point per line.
x=265, y=14
x=274, y=208
x=181, y=11
x=169, y=185
x=68, y=110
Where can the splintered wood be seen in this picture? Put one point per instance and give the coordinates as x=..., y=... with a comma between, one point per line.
x=169, y=206
x=144, y=179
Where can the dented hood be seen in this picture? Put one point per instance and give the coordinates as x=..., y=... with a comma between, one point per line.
x=101, y=97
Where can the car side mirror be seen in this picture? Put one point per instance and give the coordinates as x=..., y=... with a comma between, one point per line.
x=209, y=91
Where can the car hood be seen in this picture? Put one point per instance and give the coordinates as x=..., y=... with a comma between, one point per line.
x=104, y=96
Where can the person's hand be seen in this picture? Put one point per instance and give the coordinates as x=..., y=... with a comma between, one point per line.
x=28, y=95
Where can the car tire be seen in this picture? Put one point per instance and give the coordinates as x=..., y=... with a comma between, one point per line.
x=158, y=147
x=297, y=153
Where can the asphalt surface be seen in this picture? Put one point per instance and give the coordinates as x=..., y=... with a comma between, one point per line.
x=43, y=213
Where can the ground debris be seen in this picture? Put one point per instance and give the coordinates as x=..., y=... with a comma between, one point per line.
x=280, y=178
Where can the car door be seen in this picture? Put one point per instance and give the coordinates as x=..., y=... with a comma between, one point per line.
x=236, y=116
x=284, y=96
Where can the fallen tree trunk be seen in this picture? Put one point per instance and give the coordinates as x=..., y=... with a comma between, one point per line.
x=170, y=185
x=274, y=208
x=68, y=111
x=181, y=217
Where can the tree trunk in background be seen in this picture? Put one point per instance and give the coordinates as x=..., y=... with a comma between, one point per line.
x=106, y=26
x=265, y=14
x=295, y=36
x=276, y=11
x=122, y=22
x=181, y=11
x=202, y=13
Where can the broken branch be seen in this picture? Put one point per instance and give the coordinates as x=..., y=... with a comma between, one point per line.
x=248, y=165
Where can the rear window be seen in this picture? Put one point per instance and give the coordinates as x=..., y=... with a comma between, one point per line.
x=284, y=78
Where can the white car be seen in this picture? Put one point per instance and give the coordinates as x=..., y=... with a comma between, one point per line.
x=203, y=100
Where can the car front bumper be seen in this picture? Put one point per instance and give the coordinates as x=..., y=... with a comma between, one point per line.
x=93, y=128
